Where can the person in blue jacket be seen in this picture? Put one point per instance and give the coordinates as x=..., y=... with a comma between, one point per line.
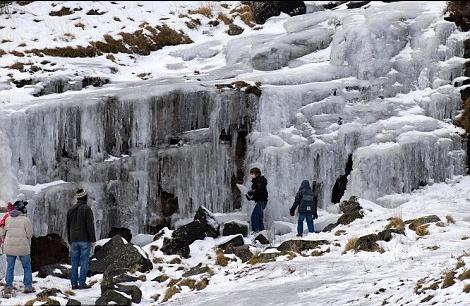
x=306, y=201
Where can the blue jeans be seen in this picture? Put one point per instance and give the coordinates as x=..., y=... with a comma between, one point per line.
x=80, y=255
x=27, y=271
x=300, y=224
x=257, y=216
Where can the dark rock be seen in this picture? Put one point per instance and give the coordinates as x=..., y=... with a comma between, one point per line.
x=262, y=10
x=234, y=242
x=204, y=225
x=386, y=235
x=262, y=239
x=264, y=257
x=414, y=223
x=94, y=81
x=48, y=292
x=48, y=250
x=243, y=252
x=113, y=296
x=161, y=278
x=52, y=270
x=330, y=227
x=133, y=291
x=72, y=302
x=159, y=235
x=113, y=276
x=199, y=269
x=51, y=302
x=465, y=93
x=116, y=254
x=351, y=210
x=233, y=30
x=234, y=227
x=368, y=243
x=300, y=245
x=356, y=4
x=121, y=231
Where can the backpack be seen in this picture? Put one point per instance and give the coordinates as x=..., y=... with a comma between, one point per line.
x=309, y=201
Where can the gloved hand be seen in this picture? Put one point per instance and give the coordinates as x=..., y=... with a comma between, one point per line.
x=315, y=216
x=292, y=212
x=250, y=193
x=248, y=197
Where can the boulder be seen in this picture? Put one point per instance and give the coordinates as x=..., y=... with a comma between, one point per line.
x=235, y=227
x=58, y=270
x=199, y=269
x=261, y=238
x=113, y=296
x=262, y=10
x=116, y=254
x=113, y=276
x=72, y=302
x=233, y=30
x=243, y=252
x=142, y=239
x=330, y=227
x=386, y=235
x=233, y=242
x=121, y=231
x=351, y=210
x=270, y=57
x=204, y=225
x=414, y=223
x=48, y=250
x=300, y=245
x=368, y=243
x=133, y=291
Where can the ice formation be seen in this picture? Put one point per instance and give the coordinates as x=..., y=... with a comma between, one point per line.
x=373, y=85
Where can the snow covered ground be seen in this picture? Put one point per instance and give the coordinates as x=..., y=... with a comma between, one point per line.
x=334, y=278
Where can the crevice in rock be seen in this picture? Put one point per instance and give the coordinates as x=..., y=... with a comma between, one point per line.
x=342, y=182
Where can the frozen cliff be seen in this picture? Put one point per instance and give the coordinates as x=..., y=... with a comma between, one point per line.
x=361, y=101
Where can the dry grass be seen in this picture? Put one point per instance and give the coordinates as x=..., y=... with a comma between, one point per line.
x=202, y=284
x=205, y=10
x=80, y=25
x=448, y=280
x=224, y=18
x=17, y=53
x=317, y=253
x=175, y=261
x=246, y=14
x=460, y=263
x=173, y=282
x=188, y=282
x=161, y=278
x=138, y=42
x=433, y=247
x=422, y=230
x=466, y=289
x=340, y=232
x=396, y=223
x=64, y=11
x=450, y=219
x=440, y=224
x=220, y=259
x=69, y=293
x=351, y=244
x=157, y=260
x=465, y=275
x=170, y=292
x=193, y=23
x=18, y=66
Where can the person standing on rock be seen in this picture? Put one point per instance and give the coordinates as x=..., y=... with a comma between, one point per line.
x=306, y=201
x=258, y=194
x=18, y=233
x=81, y=237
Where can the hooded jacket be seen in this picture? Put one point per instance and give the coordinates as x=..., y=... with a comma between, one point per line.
x=18, y=233
x=259, y=191
x=80, y=223
x=304, y=188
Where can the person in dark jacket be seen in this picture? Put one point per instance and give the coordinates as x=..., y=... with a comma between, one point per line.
x=258, y=194
x=306, y=201
x=81, y=237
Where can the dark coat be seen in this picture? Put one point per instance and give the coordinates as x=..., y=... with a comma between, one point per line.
x=258, y=192
x=304, y=187
x=80, y=223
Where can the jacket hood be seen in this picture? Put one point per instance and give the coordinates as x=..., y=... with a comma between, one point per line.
x=15, y=213
x=305, y=185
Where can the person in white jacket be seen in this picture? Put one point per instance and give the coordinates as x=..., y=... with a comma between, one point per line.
x=18, y=233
